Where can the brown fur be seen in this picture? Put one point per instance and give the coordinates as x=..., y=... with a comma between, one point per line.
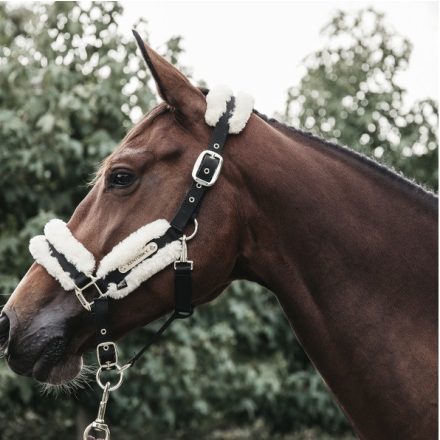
x=350, y=253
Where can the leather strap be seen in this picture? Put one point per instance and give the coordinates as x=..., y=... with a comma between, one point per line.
x=194, y=196
x=106, y=350
x=183, y=289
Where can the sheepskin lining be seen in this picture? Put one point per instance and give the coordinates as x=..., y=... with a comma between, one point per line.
x=216, y=100
x=60, y=237
x=131, y=246
x=40, y=250
x=146, y=269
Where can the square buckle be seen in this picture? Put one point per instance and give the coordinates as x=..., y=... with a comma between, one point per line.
x=199, y=161
x=79, y=293
x=189, y=262
x=106, y=346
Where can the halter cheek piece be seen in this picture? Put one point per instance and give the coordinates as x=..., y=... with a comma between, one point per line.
x=142, y=254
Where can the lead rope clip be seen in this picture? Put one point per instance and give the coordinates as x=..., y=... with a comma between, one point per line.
x=99, y=425
x=183, y=259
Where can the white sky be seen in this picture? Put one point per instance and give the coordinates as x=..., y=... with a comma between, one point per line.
x=258, y=46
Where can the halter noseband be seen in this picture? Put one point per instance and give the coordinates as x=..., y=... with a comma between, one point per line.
x=143, y=253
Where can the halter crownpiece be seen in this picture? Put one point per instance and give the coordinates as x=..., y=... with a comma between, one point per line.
x=216, y=101
x=144, y=252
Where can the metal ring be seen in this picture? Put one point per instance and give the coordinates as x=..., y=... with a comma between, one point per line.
x=98, y=428
x=114, y=387
x=190, y=237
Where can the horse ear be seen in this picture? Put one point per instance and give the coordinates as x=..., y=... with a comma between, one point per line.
x=173, y=86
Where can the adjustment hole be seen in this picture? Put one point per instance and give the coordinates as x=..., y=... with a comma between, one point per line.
x=192, y=199
x=103, y=331
x=198, y=185
x=206, y=170
x=216, y=146
x=105, y=347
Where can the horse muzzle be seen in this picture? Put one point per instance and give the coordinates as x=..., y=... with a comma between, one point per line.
x=38, y=349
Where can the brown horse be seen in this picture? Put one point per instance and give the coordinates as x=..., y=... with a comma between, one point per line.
x=349, y=248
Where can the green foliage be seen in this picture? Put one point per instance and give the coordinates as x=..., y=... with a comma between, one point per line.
x=226, y=367
x=350, y=94
x=67, y=86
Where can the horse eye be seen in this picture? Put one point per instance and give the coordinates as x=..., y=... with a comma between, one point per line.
x=121, y=179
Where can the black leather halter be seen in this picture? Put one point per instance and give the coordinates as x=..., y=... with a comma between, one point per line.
x=205, y=173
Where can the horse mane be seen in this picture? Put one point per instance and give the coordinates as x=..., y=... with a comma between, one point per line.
x=382, y=169
x=390, y=173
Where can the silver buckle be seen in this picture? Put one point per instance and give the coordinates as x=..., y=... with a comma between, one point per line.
x=103, y=345
x=199, y=160
x=184, y=255
x=81, y=298
x=87, y=305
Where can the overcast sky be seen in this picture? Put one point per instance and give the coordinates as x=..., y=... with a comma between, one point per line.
x=258, y=46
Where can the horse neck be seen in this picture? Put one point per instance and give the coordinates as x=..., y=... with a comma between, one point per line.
x=350, y=253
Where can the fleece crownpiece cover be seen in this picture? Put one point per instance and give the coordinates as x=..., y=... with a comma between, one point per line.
x=216, y=101
x=61, y=238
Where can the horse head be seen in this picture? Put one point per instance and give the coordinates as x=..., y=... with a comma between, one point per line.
x=143, y=180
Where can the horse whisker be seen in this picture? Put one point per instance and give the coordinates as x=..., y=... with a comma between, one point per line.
x=81, y=381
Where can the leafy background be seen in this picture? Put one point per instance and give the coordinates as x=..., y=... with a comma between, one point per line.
x=69, y=82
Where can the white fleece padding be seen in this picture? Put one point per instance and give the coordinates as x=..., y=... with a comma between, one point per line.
x=244, y=104
x=64, y=242
x=216, y=100
x=39, y=248
x=164, y=257
x=131, y=246
x=59, y=235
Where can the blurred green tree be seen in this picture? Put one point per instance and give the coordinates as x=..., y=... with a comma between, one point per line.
x=350, y=94
x=67, y=86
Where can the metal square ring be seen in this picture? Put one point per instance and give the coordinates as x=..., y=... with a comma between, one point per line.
x=198, y=162
x=107, y=364
x=79, y=293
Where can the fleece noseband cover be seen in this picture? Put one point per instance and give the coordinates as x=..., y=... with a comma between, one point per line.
x=59, y=236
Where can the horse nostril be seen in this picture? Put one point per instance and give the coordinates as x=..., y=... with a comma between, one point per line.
x=4, y=330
